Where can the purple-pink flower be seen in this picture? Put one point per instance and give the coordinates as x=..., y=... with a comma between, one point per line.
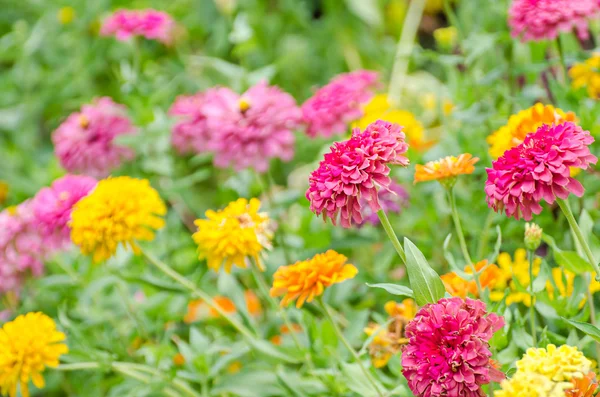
x=84, y=142
x=151, y=24
x=352, y=171
x=544, y=19
x=248, y=130
x=333, y=107
x=448, y=352
x=52, y=206
x=190, y=133
x=539, y=169
x=392, y=200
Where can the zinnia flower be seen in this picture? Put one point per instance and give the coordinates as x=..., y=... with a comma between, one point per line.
x=198, y=309
x=544, y=19
x=448, y=351
x=190, y=133
x=333, y=107
x=539, y=169
x=559, y=364
x=119, y=211
x=446, y=170
x=583, y=387
x=353, y=169
x=84, y=143
x=458, y=286
x=151, y=24
x=305, y=280
x=52, y=205
x=587, y=75
x=525, y=122
x=23, y=248
x=514, y=275
x=392, y=200
x=233, y=235
x=28, y=345
x=248, y=131
x=531, y=384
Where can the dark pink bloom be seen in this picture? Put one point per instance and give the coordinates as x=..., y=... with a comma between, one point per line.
x=151, y=24
x=539, y=169
x=84, y=143
x=190, y=133
x=392, y=200
x=333, y=107
x=544, y=19
x=52, y=206
x=248, y=131
x=353, y=169
x=448, y=352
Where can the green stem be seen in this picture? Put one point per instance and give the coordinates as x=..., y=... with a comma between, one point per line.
x=563, y=63
x=340, y=335
x=485, y=234
x=531, y=259
x=77, y=366
x=385, y=222
x=592, y=306
x=404, y=50
x=199, y=293
x=267, y=189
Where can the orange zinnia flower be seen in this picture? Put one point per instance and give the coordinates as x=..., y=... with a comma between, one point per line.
x=446, y=170
x=583, y=387
x=307, y=279
x=458, y=286
x=284, y=329
x=198, y=309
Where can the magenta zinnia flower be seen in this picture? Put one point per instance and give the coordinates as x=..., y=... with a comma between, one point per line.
x=539, y=169
x=190, y=133
x=544, y=19
x=151, y=24
x=333, y=107
x=248, y=131
x=448, y=352
x=52, y=206
x=84, y=143
x=22, y=247
x=353, y=169
x=392, y=200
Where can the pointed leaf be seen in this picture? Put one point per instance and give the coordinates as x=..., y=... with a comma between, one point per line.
x=586, y=328
x=394, y=289
x=425, y=282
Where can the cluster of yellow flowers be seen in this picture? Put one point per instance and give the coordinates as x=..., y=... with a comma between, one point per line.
x=587, y=75
x=551, y=371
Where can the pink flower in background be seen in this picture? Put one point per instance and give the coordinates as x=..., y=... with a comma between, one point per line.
x=249, y=130
x=448, y=352
x=22, y=247
x=392, y=200
x=333, y=107
x=544, y=19
x=52, y=206
x=84, y=143
x=190, y=133
x=539, y=169
x=352, y=170
x=151, y=24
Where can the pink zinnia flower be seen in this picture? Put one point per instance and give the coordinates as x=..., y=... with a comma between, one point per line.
x=539, y=169
x=333, y=107
x=544, y=19
x=448, y=352
x=353, y=169
x=52, y=206
x=84, y=143
x=190, y=133
x=22, y=247
x=392, y=200
x=151, y=24
x=248, y=131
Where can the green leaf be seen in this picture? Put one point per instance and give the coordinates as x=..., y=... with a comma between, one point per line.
x=569, y=260
x=394, y=289
x=269, y=350
x=492, y=258
x=425, y=282
x=356, y=381
x=586, y=328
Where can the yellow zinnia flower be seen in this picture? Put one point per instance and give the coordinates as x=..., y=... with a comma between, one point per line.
x=523, y=123
x=587, y=75
x=446, y=37
x=28, y=345
x=446, y=170
x=531, y=384
x=559, y=364
x=119, y=210
x=379, y=108
x=307, y=279
x=514, y=270
x=234, y=234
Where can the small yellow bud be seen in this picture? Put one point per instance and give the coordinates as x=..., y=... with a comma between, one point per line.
x=446, y=38
x=533, y=236
x=66, y=15
x=244, y=104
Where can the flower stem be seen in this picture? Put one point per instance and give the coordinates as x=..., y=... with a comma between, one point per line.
x=385, y=222
x=563, y=64
x=531, y=258
x=462, y=241
x=199, y=293
x=404, y=50
x=339, y=333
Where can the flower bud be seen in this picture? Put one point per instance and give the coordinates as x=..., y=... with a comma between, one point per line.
x=533, y=236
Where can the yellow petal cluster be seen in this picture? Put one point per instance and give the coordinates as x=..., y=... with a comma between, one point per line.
x=447, y=168
x=559, y=364
x=305, y=280
x=513, y=272
x=28, y=345
x=232, y=235
x=119, y=210
x=530, y=384
x=587, y=75
x=523, y=123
